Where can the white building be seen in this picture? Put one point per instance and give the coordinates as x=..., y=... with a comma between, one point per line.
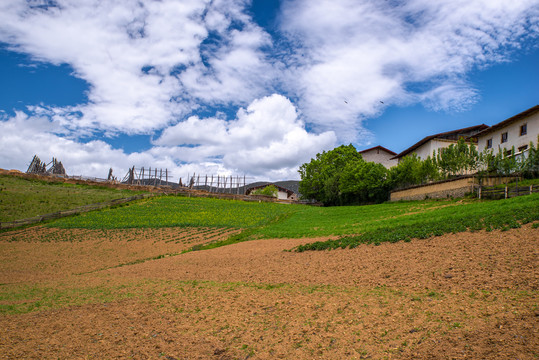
x=379, y=155
x=425, y=147
x=517, y=131
x=286, y=190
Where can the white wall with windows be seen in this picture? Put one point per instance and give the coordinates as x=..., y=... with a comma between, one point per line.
x=518, y=133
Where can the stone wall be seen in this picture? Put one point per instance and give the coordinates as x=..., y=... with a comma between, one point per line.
x=446, y=189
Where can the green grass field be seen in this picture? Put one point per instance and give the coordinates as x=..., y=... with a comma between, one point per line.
x=168, y=211
x=24, y=198
x=354, y=224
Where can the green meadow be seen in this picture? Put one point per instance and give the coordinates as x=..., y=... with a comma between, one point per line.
x=353, y=224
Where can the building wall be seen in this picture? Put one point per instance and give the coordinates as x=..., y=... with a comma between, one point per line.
x=282, y=195
x=380, y=157
x=456, y=188
x=513, y=135
x=426, y=150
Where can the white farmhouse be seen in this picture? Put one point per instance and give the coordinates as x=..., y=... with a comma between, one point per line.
x=379, y=155
x=429, y=144
x=517, y=131
x=286, y=190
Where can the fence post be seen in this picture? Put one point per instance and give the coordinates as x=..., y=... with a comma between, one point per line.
x=479, y=192
x=506, y=191
x=531, y=189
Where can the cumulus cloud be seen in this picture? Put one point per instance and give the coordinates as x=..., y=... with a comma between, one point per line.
x=23, y=136
x=145, y=61
x=356, y=57
x=176, y=68
x=266, y=136
x=267, y=140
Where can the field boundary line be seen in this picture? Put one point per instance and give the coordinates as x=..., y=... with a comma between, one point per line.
x=77, y=210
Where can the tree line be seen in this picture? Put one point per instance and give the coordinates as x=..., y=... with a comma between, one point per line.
x=341, y=176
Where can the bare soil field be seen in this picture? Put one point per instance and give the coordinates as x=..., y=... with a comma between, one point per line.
x=111, y=295
x=40, y=253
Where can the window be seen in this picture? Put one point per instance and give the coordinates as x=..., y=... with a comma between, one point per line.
x=489, y=144
x=504, y=137
x=507, y=152
x=523, y=129
x=523, y=148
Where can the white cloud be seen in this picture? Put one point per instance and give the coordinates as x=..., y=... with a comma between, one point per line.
x=132, y=52
x=267, y=136
x=267, y=141
x=354, y=55
x=151, y=65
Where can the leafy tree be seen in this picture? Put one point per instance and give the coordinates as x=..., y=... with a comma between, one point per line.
x=341, y=176
x=530, y=165
x=457, y=159
x=428, y=171
x=364, y=182
x=407, y=172
x=321, y=177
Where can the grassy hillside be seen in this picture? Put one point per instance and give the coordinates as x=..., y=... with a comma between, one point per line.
x=168, y=211
x=23, y=198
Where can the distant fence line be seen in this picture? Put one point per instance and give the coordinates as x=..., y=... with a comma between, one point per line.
x=217, y=183
x=496, y=192
x=64, y=213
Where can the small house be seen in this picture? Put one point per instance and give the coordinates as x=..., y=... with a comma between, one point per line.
x=286, y=190
x=380, y=155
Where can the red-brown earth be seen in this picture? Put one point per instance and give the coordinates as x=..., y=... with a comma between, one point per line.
x=99, y=295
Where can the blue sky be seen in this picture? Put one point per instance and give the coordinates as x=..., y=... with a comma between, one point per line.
x=252, y=87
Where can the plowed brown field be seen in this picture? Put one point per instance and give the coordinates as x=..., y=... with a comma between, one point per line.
x=114, y=295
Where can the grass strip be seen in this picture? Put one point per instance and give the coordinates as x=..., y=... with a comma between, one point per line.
x=488, y=215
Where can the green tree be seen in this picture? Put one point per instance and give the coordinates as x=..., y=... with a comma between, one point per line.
x=457, y=159
x=428, y=171
x=407, y=172
x=530, y=166
x=321, y=177
x=364, y=182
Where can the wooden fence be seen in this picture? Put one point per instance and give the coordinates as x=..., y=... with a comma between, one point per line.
x=64, y=213
x=496, y=192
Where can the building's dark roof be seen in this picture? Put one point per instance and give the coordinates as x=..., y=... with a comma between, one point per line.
x=448, y=135
x=509, y=121
x=378, y=147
